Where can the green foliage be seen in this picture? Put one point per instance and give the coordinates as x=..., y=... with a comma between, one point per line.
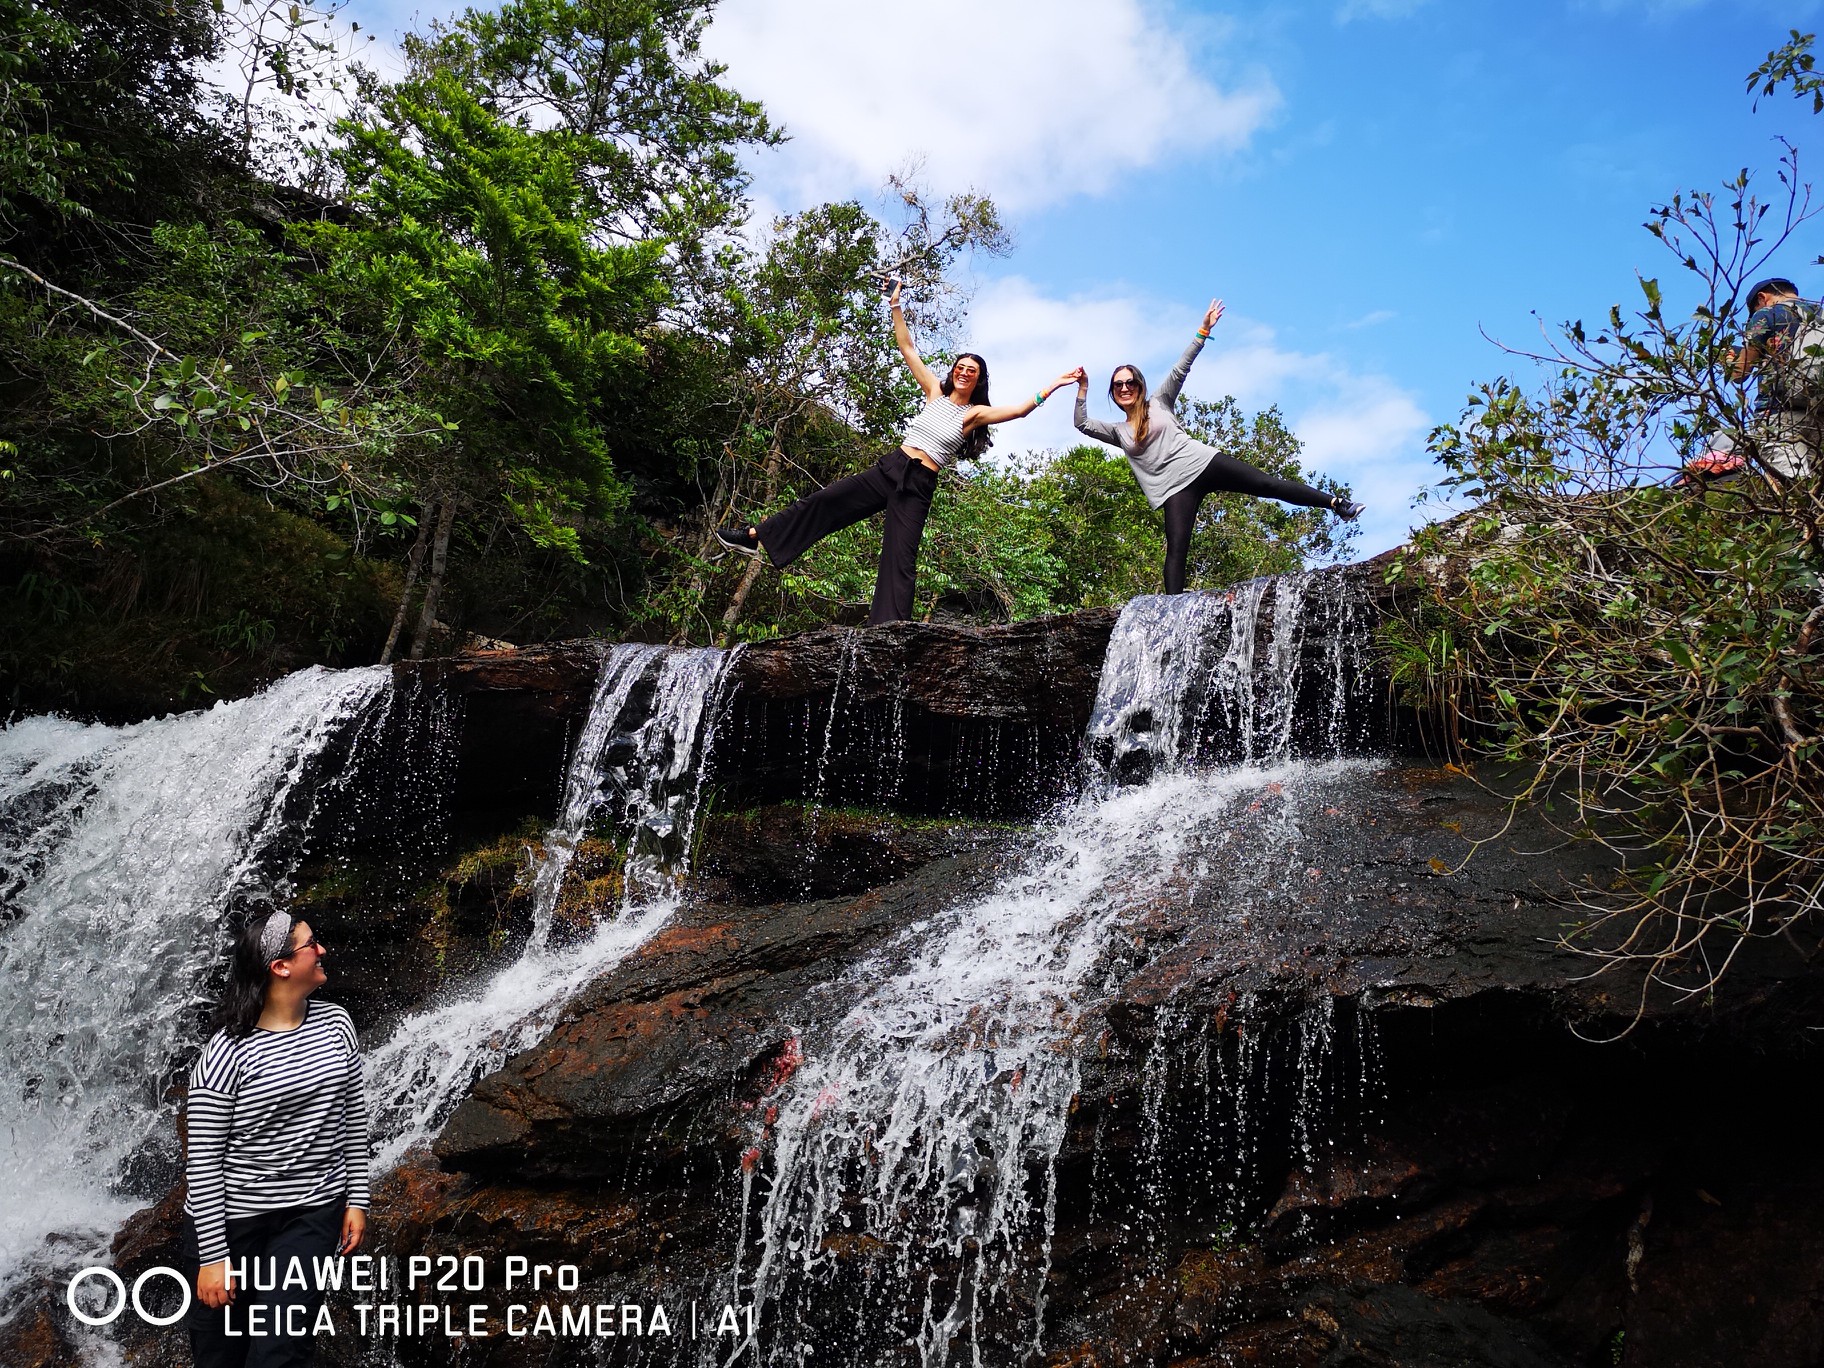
x=1108, y=544
x=1238, y=537
x=470, y=241
x=1654, y=651
x=101, y=122
x=1791, y=64
x=492, y=347
x=222, y=594
x=627, y=83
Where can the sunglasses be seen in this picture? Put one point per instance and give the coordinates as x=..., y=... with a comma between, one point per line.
x=1124, y=384
x=312, y=943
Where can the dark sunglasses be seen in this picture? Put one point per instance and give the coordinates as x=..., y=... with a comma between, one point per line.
x=313, y=942
x=1124, y=384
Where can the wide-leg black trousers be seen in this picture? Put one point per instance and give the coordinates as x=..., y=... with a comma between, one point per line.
x=1224, y=474
x=896, y=483
x=305, y=1233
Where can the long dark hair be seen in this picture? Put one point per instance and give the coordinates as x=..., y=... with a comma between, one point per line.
x=245, y=997
x=980, y=440
x=1144, y=423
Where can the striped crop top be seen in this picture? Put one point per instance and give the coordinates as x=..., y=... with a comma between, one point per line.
x=937, y=430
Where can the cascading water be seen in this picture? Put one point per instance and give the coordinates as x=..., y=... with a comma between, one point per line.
x=122, y=850
x=926, y=1124
x=1186, y=679
x=637, y=771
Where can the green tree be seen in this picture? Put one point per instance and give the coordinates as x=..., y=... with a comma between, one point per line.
x=658, y=137
x=104, y=129
x=470, y=235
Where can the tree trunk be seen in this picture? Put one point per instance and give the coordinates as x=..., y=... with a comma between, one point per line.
x=713, y=511
x=738, y=600
x=413, y=562
x=440, y=551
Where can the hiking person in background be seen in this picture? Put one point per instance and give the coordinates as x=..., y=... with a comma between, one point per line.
x=1782, y=332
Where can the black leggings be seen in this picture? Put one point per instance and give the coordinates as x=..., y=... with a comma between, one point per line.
x=896, y=483
x=1226, y=475
x=303, y=1233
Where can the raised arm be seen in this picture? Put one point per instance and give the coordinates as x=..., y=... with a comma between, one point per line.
x=982, y=415
x=1168, y=392
x=1092, y=427
x=927, y=380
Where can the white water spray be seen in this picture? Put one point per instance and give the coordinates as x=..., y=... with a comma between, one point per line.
x=121, y=850
x=930, y=1118
x=638, y=767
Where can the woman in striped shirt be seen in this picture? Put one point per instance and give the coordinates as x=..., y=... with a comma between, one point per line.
x=953, y=425
x=276, y=1167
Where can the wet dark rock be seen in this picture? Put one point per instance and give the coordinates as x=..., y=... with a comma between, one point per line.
x=1458, y=1182
x=706, y=1009
x=978, y=722
x=791, y=852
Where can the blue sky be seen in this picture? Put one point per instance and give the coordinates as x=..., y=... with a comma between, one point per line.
x=1369, y=184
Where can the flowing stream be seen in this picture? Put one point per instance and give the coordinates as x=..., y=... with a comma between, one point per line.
x=926, y=1124
x=637, y=771
x=122, y=850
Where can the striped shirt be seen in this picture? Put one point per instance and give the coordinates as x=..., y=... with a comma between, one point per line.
x=937, y=430
x=276, y=1119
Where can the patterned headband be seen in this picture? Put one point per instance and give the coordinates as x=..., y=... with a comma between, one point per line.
x=274, y=937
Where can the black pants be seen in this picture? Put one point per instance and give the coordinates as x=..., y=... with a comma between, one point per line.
x=1224, y=474
x=304, y=1233
x=897, y=483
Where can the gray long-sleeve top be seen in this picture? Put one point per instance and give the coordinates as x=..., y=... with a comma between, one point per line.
x=1170, y=458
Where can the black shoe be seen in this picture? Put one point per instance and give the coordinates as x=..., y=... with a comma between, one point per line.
x=742, y=537
x=1347, y=510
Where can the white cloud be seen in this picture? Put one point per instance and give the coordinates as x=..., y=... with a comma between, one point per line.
x=1031, y=101
x=1359, y=427
x=1372, y=319
x=1028, y=338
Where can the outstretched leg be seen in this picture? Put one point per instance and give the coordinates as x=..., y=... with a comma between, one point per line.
x=1225, y=474
x=792, y=531
x=1228, y=475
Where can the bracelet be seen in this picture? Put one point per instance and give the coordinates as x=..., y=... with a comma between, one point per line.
x=1039, y=397
x=1204, y=333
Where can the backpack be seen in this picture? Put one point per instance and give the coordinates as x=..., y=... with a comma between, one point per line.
x=1797, y=370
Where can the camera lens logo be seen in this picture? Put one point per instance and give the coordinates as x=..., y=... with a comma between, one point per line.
x=121, y=1296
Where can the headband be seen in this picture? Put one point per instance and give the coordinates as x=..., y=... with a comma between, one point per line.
x=274, y=936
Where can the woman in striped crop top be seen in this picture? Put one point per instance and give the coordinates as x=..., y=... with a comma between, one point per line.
x=953, y=425
x=276, y=1157
x=1174, y=470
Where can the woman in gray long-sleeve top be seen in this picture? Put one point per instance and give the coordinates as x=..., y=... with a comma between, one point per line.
x=1175, y=470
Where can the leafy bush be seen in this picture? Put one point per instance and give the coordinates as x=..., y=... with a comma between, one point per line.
x=1648, y=645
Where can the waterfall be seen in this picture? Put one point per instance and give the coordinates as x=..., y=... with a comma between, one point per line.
x=121, y=851
x=637, y=770
x=1187, y=678
x=925, y=1124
